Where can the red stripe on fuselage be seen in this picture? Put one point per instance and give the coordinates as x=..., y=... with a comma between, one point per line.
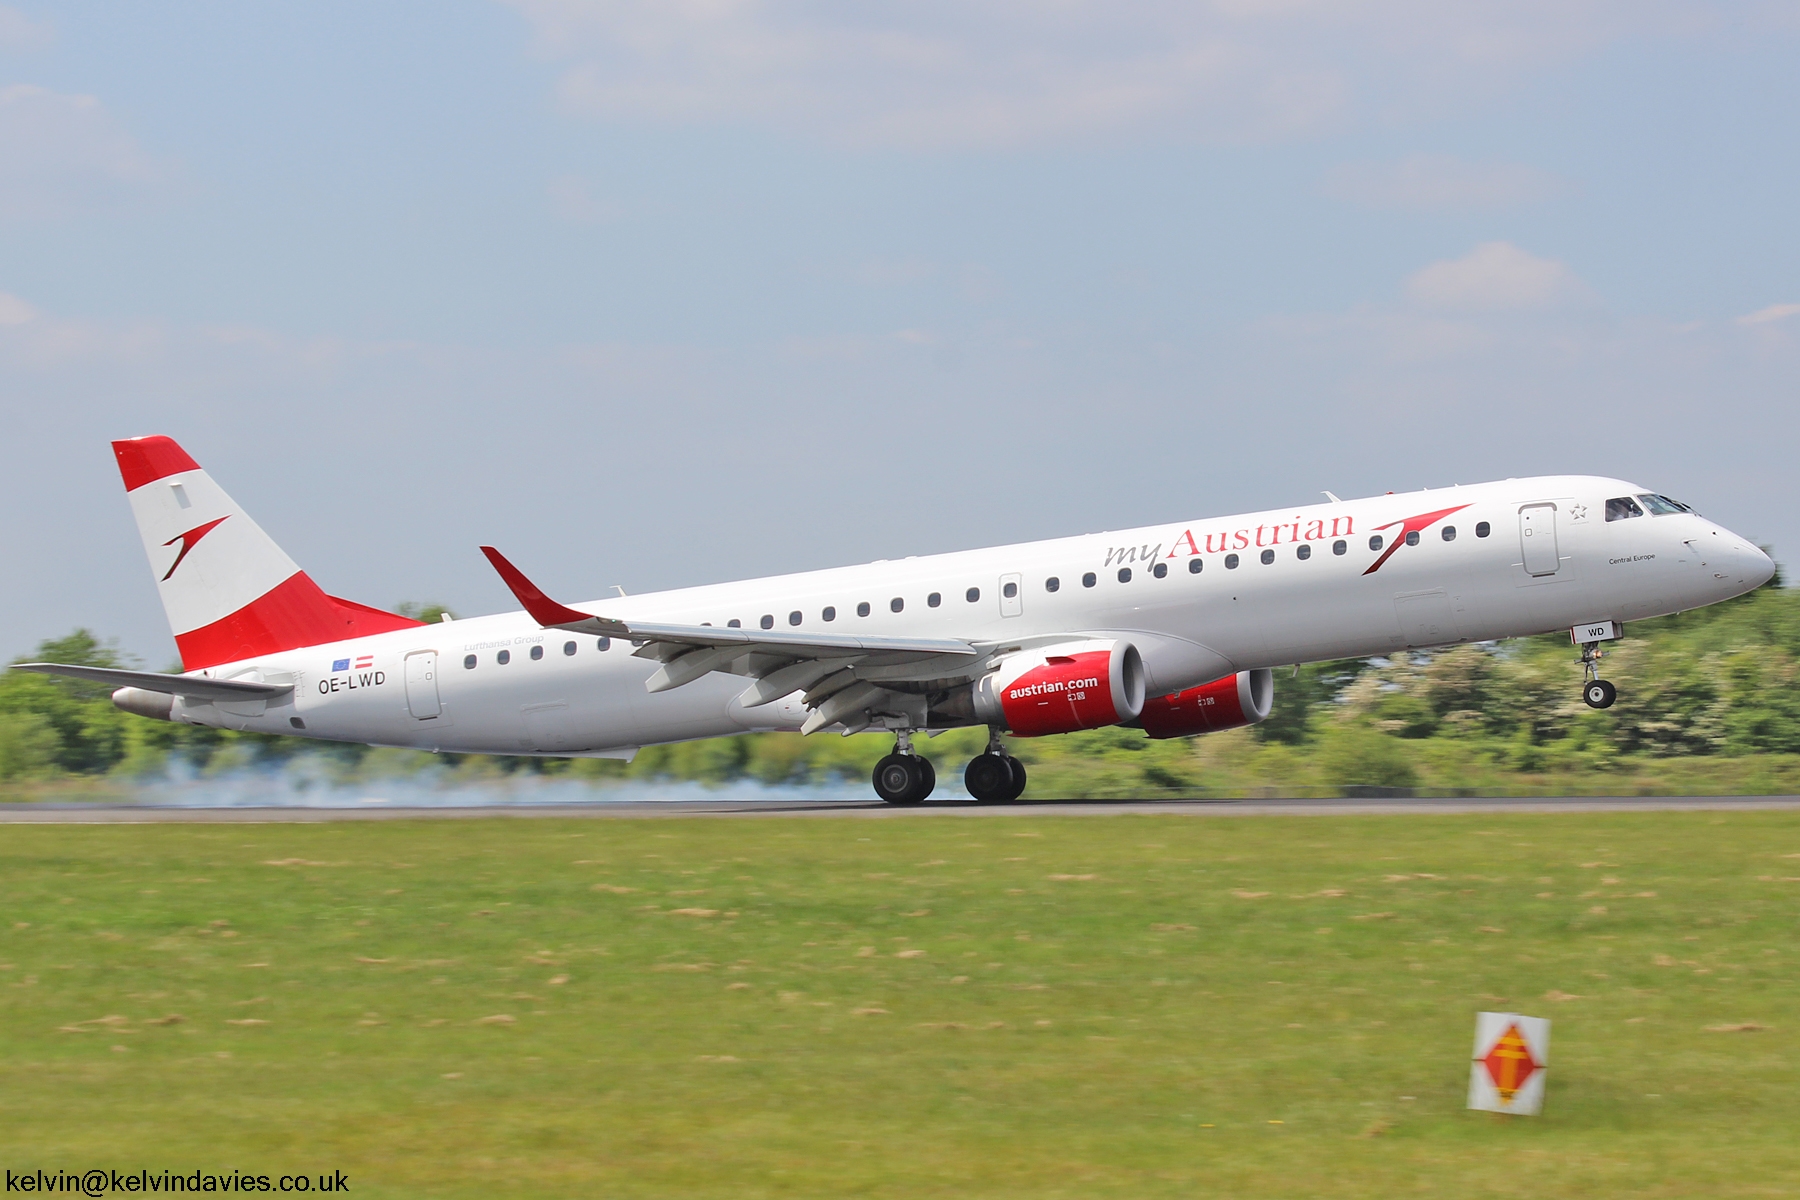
x=292, y=614
x=148, y=459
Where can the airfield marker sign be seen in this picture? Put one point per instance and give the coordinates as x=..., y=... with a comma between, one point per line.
x=1512, y=1056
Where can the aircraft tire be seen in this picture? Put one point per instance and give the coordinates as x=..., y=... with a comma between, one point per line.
x=1600, y=693
x=1018, y=778
x=899, y=779
x=927, y=778
x=989, y=777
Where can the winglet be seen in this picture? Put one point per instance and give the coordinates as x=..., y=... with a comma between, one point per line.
x=542, y=608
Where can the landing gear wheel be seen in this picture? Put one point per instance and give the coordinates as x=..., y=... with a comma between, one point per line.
x=989, y=777
x=904, y=779
x=1018, y=778
x=927, y=778
x=1599, y=693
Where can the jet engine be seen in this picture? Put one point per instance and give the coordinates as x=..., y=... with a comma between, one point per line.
x=1060, y=688
x=1241, y=699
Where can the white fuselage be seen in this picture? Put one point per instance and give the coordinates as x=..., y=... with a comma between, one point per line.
x=411, y=687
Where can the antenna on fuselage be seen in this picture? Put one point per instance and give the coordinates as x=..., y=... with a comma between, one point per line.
x=1333, y=498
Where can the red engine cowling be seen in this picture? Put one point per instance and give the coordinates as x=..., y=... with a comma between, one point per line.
x=1241, y=699
x=1062, y=688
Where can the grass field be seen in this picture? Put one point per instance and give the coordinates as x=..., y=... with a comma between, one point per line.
x=1009, y=1006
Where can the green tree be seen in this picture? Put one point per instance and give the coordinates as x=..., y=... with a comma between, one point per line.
x=430, y=613
x=72, y=723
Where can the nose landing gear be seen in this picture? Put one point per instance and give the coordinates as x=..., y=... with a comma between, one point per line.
x=996, y=776
x=1596, y=691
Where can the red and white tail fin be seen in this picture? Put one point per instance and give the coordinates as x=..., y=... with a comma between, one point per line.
x=229, y=590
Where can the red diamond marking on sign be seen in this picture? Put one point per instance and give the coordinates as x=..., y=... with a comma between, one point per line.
x=1509, y=1064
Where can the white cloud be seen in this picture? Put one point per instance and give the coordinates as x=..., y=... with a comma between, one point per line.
x=1775, y=312
x=1495, y=276
x=997, y=72
x=14, y=311
x=20, y=32
x=1432, y=181
x=60, y=152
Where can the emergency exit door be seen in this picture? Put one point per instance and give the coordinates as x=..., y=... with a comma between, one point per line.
x=1012, y=598
x=1537, y=539
x=421, y=685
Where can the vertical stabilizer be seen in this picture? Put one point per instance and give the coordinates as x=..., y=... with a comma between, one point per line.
x=229, y=591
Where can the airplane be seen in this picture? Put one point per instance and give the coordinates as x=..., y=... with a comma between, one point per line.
x=1172, y=628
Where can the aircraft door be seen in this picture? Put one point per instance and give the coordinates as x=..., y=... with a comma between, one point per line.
x=421, y=685
x=1537, y=539
x=1012, y=595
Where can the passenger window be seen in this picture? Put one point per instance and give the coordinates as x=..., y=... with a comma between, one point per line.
x=504, y=657
x=794, y=617
x=1052, y=583
x=828, y=613
x=1375, y=542
x=1482, y=529
x=604, y=644
x=1009, y=590
x=935, y=599
x=862, y=610
x=1303, y=552
x=1160, y=570
x=1124, y=574
x=469, y=662
x=1231, y=562
x=974, y=594
x=537, y=654
x=1622, y=508
x=1268, y=556
x=1338, y=547
x=896, y=604
x=1196, y=565
x=1412, y=537
x=1089, y=580
x=768, y=621
x=734, y=623
x=1449, y=533
x=569, y=648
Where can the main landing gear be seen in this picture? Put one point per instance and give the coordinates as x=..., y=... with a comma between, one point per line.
x=995, y=776
x=904, y=777
x=907, y=777
x=1596, y=691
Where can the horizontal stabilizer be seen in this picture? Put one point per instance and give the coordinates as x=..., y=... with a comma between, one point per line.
x=189, y=687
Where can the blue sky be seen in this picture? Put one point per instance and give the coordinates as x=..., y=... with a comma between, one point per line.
x=668, y=293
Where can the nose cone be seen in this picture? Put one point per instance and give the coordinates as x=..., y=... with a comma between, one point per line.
x=1737, y=564
x=1758, y=568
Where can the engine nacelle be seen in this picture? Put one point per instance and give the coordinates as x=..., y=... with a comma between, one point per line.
x=1062, y=688
x=1241, y=699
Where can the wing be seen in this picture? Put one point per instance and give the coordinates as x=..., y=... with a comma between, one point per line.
x=189, y=686
x=847, y=681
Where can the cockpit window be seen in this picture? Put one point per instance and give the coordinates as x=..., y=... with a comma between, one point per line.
x=1620, y=508
x=1662, y=506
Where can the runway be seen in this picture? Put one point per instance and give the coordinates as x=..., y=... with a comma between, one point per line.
x=130, y=814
